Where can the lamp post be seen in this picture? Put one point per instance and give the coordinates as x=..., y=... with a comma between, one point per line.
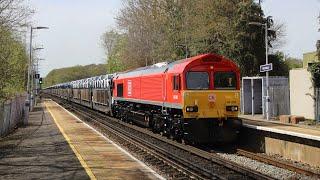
x=267, y=72
x=30, y=93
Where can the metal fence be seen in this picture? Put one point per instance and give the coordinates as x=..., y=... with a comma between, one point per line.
x=12, y=114
x=317, y=98
x=279, y=100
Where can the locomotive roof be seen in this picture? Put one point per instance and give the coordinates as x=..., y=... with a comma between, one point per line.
x=165, y=66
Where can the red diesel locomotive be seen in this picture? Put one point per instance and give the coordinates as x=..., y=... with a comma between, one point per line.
x=195, y=99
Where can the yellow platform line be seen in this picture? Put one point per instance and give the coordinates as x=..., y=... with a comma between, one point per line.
x=82, y=161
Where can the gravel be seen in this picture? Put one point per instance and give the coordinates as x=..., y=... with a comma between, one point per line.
x=275, y=172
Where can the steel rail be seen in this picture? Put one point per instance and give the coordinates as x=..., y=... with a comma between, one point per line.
x=278, y=163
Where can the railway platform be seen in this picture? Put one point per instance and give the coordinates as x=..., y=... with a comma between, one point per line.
x=301, y=131
x=38, y=151
x=58, y=145
x=295, y=142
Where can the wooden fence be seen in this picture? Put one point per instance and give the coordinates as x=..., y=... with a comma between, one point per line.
x=12, y=114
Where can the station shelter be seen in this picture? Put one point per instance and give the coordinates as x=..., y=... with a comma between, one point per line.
x=254, y=92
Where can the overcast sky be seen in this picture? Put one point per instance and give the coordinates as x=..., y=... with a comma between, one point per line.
x=76, y=27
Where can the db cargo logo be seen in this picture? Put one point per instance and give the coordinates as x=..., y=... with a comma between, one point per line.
x=212, y=98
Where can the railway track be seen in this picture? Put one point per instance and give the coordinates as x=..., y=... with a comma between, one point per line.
x=174, y=160
x=278, y=163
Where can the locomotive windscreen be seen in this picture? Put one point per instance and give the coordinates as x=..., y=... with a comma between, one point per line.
x=197, y=80
x=225, y=80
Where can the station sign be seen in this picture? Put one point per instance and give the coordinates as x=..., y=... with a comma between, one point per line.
x=266, y=67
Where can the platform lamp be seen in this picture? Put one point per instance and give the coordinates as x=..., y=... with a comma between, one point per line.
x=30, y=62
x=265, y=25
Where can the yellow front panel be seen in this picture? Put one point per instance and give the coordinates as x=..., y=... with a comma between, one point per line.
x=211, y=103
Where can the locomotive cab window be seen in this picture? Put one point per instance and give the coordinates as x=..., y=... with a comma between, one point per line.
x=120, y=90
x=225, y=80
x=197, y=80
x=176, y=82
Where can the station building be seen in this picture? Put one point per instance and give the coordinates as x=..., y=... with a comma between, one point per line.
x=288, y=96
x=304, y=98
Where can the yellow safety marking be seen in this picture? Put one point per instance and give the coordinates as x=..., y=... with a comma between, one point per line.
x=82, y=161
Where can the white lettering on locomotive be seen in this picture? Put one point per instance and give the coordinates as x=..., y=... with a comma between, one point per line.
x=129, y=88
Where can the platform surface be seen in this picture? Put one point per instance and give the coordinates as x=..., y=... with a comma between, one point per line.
x=258, y=123
x=100, y=157
x=38, y=151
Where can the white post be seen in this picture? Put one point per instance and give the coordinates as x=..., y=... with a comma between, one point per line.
x=252, y=97
x=267, y=73
x=29, y=90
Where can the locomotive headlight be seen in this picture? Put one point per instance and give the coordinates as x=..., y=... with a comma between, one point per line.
x=232, y=108
x=192, y=108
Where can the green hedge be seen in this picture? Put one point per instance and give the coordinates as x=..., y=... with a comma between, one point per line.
x=315, y=72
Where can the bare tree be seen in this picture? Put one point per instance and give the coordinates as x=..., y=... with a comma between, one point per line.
x=14, y=14
x=109, y=40
x=279, y=40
